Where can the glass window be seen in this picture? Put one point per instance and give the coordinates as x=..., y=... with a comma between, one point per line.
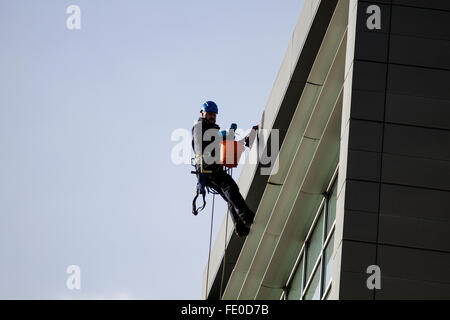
x=313, y=292
x=295, y=291
x=315, y=253
x=328, y=262
x=332, y=206
x=314, y=247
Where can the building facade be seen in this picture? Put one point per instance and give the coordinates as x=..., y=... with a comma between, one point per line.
x=357, y=203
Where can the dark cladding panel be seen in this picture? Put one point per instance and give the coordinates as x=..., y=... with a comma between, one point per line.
x=417, y=142
x=418, y=22
x=369, y=76
x=357, y=256
x=420, y=111
x=418, y=172
x=414, y=217
x=419, y=82
x=414, y=232
x=362, y=196
x=430, y=4
x=368, y=90
x=353, y=286
x=407, y=289
x=364, y=165
x=360, y=226
x=361, y=2
x=416, y=264
x=367, y=105
x=423, y=52
x=413, y=202
x=371, y=46
x=365, y=135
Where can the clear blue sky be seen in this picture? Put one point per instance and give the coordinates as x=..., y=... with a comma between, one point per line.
x=86, y=118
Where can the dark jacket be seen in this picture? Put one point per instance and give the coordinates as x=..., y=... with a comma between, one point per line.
x=200, y=142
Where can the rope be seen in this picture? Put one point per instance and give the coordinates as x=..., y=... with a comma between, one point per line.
x=209, y=254
x=224, y=255
x=225, y=247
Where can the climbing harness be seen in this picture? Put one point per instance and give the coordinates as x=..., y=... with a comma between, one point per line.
x=201, y=188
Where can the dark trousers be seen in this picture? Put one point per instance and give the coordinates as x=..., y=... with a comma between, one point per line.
x=224, y=184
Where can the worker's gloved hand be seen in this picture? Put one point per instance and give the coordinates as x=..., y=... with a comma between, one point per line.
x=253, y=132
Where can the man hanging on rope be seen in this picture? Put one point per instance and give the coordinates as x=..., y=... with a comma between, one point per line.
x=211, y=174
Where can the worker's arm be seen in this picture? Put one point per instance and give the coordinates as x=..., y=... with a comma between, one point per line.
x=197, y=136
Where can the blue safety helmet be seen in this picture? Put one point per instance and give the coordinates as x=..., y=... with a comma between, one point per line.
x=209, y=106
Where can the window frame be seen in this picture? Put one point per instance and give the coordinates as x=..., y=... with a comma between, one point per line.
x=320, y=261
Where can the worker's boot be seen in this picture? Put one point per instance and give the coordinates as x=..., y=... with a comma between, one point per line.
x=248, y=218
x=241, y=230
x=243, y=212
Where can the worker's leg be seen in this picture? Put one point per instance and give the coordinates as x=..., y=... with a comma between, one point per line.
x=232, y=195
x=239, y=226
